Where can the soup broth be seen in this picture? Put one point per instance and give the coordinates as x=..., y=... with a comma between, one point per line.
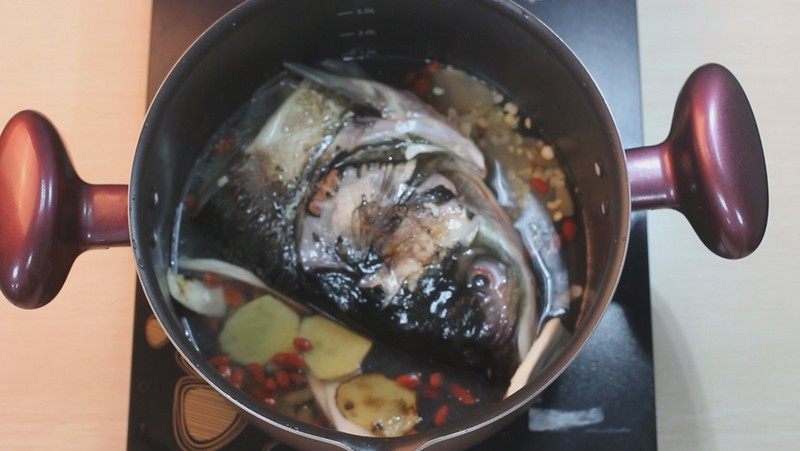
x=275, y=335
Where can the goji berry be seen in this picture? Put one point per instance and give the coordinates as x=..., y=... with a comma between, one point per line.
x=463, y=395
x=270, y=384
x=441, y=415
x=224, y=370
x=432, y=67
x=540, y=185
x=421, y=87
x=569, y=229
x=211, y=280
x=436, y=380
x=302, y=344
x=282, y=379
x=289, y=360
x=233, y=295
x=219, y=360
x=256, y=371
x=410, y=380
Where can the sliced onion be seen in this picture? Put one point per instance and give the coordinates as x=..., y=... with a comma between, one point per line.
x=552, y=333
x=232, y=272
x=325, y=395
x=196, y=296
x=222, y=268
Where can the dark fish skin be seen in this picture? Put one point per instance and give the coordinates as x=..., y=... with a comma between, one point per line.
x=250, y=209
x=441, y=320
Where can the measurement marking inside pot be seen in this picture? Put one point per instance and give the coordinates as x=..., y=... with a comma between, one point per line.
x=358, y=33
x=356, y=12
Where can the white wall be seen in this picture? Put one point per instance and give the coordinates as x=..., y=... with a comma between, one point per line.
x=726, y=332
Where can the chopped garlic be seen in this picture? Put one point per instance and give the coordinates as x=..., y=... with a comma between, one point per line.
x=553, y=204
x=511, y=108
x=511, y=120
x=547, y=152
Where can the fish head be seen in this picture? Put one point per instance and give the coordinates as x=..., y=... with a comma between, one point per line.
x=405, y=244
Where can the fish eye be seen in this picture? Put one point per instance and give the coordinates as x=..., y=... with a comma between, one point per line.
x=480, y=281
x=485, y=273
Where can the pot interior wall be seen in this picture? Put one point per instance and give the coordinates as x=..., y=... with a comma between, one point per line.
x=489, y=39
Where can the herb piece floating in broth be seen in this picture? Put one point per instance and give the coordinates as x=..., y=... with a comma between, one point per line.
x=259, y=330
x=206, y=294
x=196, y=295
x=378, y=404
x=335, y=351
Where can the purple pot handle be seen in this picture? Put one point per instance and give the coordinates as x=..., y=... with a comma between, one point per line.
x=711, y=167
x=49, y=215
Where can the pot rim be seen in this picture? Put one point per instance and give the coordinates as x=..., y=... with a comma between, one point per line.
x=493, y=413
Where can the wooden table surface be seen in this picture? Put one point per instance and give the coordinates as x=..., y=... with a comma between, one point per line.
x=725, y=332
